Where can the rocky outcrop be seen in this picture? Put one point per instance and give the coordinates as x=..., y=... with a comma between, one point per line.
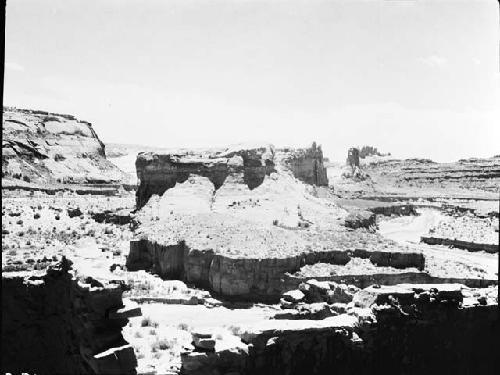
x=119, y=216
x=361, y=219
x=468, y=174
x=369, y=151
x=43, y=147
x=394, y=330
x=53, y=323
x=307, y=165
x=246, y=278
x=353, y=157
x=467, y=245
x=160, y=172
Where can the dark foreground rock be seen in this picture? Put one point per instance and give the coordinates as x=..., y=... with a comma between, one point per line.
x=55, y=324
x=400, y=330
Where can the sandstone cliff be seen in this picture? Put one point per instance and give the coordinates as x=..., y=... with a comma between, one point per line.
x=378, y=175
x=160, y=172
x=42, y=147
x=236, y=221
x=307, y=165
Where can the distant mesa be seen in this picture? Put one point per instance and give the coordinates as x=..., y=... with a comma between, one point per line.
x=50, y=148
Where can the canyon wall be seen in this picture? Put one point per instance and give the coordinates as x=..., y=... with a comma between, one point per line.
x=73, y=327
x=43, y=147
x=396, y=331
x=469, y=174
x=307, y=165
x=246, y=278
x=160, y=172
x=467, y=245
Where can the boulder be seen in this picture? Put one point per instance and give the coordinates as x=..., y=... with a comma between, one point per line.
x=293, y=296
x=379, y=295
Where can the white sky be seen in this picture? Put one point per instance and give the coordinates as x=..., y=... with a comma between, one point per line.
x=411, y=77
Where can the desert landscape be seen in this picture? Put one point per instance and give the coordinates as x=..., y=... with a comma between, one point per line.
x=245, y=259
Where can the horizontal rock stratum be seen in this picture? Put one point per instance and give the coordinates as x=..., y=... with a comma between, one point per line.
x=236, y=221
x=50, y=148
x=160, y=172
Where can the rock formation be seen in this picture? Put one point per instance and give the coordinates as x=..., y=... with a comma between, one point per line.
x=353, y=157
x=160, y=172
x=307, y=165
x=409, y=329
x=43, y=147
x=368, y=151
x=74, y=326
x=465, y=177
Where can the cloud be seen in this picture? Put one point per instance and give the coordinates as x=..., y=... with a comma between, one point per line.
x=14, y=66
x=434, y=61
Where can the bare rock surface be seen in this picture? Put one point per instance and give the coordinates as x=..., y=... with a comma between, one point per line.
x=74, y=324
x=239, y=240
x=391, y=178
x=41, y=147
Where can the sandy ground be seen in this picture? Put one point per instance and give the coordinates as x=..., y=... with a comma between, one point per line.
x=160, y=334
x=410, y=228
x=440, y=260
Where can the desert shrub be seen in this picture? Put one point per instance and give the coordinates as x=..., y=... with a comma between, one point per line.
x=59, y=157
x=183, y=326
x=162, y=344
x=148, y=322
x=235, y=330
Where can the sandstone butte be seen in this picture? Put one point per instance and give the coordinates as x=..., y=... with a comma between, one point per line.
x=236, y=221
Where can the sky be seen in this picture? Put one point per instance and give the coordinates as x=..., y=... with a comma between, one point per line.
x=417, y=78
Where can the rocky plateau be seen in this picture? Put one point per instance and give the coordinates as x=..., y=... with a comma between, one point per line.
x=249, y=259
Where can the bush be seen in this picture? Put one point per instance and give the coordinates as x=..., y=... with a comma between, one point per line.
x=147, y=322
x=59, y=157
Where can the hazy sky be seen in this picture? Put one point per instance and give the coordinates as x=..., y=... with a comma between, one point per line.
x=416, y=78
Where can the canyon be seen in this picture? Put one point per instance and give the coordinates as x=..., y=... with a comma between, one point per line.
x=243, y=259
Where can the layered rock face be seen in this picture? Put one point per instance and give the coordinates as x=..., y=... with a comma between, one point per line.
x=45, y=147
x=158, y=173
x=404, y=329
x=244, y=278
x=470, y=174
x=73, y=327
x=307, y=165
x=236, y=221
